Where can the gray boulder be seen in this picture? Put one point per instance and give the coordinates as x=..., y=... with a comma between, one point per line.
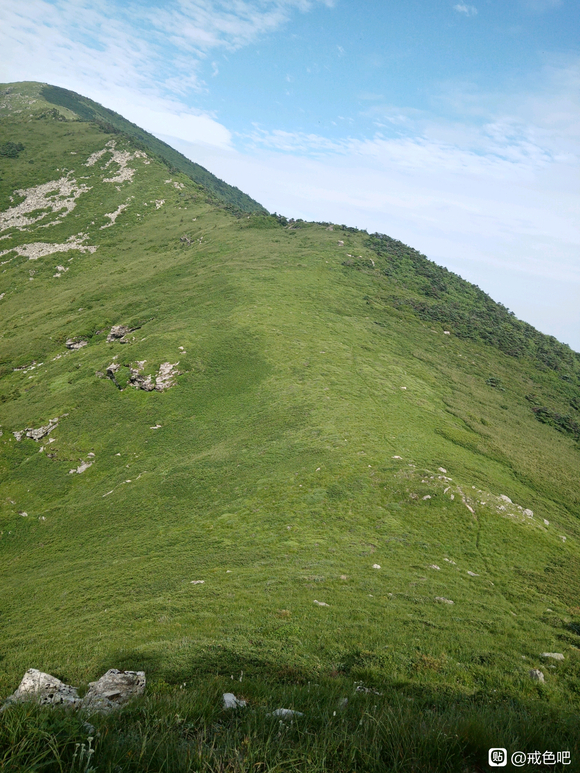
x=536, y=675
x=114, y=689
x=44, y=689
x=118, y=332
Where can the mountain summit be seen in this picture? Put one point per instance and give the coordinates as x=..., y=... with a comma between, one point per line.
x=236, y=442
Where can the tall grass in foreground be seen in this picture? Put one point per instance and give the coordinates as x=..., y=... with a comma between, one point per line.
x=187, y=729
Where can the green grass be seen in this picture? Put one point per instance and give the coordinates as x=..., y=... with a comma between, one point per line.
x=272, y=478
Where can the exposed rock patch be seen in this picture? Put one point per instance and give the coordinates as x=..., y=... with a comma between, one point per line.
x=36, y=434
x=114, y=215
x=46, y=199
x=118, y=333
x=71, y=343
x=120, y=157
x=81, y=468
x=36, y=250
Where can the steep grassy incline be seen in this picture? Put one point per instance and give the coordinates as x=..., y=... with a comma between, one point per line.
x=41, y=99
x=339, y=480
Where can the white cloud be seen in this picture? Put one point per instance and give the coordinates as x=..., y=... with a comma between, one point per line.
x=468, y=10
x=138, y=61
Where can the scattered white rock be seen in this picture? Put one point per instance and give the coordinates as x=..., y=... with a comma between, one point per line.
x=22, y=513
x=472, y=574
x=81, y=468
x=157, y=426
x=447, y=332
x=197, y=582
x=321, y=603
x=35, y=250
x=340, y=243
x=56, y=196
x=442, y=469
x=159, y=203
x=546, y=523
x=505, y=499
x=434, y=566
x=443, y=600
x=285, y=713
x=397, y=457
x=376, y=566
x=536, y=675
x=428, y=496
x=553, y=655
x=529, y=513
x=231, y=702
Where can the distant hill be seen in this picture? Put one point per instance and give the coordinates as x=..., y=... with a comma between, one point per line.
x=287, y=459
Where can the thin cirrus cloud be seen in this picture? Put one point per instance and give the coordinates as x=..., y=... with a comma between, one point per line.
x=467, y=10
x=141, y=61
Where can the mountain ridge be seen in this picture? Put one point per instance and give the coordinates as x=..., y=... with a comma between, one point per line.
x=372, y=467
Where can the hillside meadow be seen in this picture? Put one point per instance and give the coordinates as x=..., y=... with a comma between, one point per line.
x=364, y=473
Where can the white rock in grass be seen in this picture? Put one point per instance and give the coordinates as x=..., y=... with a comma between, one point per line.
x=397, y=457
x=554, y=655
x=231, y=702
x=114, y=689
x=529, y=513
x=472, y=574
x=285, y=713
x=536, y=675
x=443, y=600
x=81, y=468
x=197, y=582
x=321, y=603
x=44, y=689
x=442, y=469
x=434, y=566
x=376, y=566
x=505, y=499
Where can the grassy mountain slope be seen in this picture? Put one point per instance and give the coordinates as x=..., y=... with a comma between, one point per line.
x=62, y=103
x=323, y=422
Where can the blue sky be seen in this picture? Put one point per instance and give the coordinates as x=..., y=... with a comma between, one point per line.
x=453, y=126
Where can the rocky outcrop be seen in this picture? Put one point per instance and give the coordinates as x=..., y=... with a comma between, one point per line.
x=114, y=689
x=118, y=333
x=164, y=378
x=36, y=434
x=110, y=692
x=44, y=689
x=71, y=343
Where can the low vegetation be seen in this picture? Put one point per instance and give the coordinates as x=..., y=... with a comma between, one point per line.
x=339, y=488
